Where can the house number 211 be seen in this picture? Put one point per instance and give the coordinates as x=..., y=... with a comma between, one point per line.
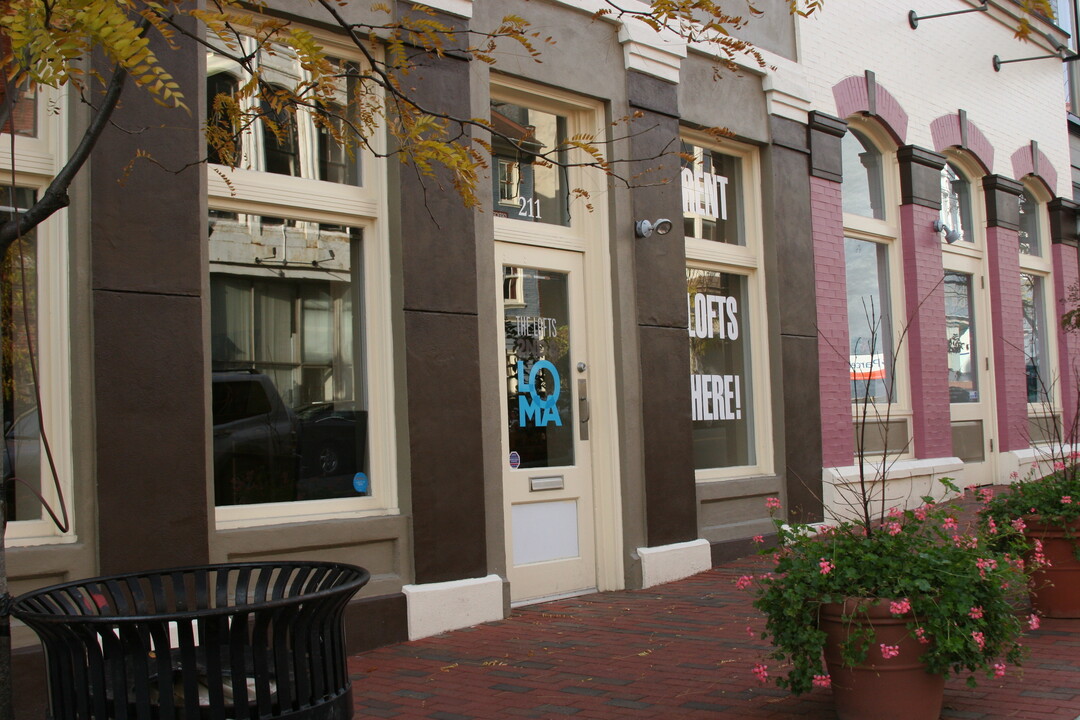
x=529, y=207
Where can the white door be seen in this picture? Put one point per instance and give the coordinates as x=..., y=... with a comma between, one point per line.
x=971, y=396
x=547, y=465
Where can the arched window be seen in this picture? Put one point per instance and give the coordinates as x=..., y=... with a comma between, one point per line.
x=222, y=144
x=281, y=148
x=1029, y=225
x=956, y=203
x=863, y=186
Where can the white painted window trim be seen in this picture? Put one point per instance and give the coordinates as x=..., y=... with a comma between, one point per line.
x=306, y=199
x=588, y=233
x=887, y=232
x=36, y=161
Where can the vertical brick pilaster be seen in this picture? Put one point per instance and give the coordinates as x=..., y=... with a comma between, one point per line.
x=1066, y=277
x=925, y=318
x=1063, y=238
x=837, y=441
x=1007, y=332
x=1007, y=327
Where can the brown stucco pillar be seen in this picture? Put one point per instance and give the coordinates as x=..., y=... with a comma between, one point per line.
x=437, y=245
x=148, y=235
x=789, y=272
x=660, y=287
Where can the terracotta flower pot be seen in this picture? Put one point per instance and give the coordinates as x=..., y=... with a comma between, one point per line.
x=894, y=688
x=1055, y=590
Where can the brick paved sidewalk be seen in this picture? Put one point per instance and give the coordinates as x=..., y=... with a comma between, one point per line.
x=680, y=650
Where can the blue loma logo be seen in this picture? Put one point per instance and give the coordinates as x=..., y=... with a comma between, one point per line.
x=531, y=406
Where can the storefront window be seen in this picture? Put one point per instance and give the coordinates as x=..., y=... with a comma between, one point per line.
x=712, y=193
x=525, y=143
x=289, y=397
x=869, y=320
x=1032, y=289
x=863, y=183
x=960, y=336
x=18, y=318
x=721, y=392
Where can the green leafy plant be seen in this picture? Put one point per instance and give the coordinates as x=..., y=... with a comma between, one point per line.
x=1051, y=499
x=956, y=585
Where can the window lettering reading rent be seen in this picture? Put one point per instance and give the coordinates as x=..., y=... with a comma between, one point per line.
x=869, y=319
x=712, y=194
x=289, y=392
x=721, y=397
x=529, y=187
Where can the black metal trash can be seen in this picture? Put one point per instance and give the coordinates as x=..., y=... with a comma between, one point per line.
x=237, y=640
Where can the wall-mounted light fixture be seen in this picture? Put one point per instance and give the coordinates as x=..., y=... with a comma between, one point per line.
x=951, y=236
x=645, y=228
x=913, y=19
x=1059, y=53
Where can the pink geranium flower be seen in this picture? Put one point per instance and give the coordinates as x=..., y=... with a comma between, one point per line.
x=826, y=566
x=976, y=612
x=822, y=681
x=772, y=503
x=761, y=671
x=900, y=607
x=889, y=651
x=1033, y=622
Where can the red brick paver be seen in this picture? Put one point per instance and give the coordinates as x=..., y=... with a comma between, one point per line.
x=680, y=650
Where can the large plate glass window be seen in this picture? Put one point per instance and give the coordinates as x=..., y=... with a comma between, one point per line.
x=528, y=147
x=19, y=323
x=869, y=320
x=1036, y=365
x=721, y=389
x=961, y=338
x=712, y=193
x=289, y=393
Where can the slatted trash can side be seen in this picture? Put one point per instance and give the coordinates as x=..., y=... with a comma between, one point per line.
x=242, y=641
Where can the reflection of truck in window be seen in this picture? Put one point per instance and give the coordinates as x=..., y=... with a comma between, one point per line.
x=255, y=440
x=266, y=452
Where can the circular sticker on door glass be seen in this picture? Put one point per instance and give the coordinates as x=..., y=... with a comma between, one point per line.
x=515, y=460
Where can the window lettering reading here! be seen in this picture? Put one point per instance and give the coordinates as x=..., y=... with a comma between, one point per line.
x=720, y=387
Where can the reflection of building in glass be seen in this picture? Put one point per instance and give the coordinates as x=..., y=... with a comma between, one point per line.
x=527, y=186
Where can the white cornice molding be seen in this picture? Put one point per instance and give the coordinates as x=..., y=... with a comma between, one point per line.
x=659, y=54
x=787, y=90
x=461, y=8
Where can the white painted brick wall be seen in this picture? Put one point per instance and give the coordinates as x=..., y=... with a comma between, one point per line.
x=943, y=66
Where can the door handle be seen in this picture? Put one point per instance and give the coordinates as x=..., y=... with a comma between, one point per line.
x=583, y=407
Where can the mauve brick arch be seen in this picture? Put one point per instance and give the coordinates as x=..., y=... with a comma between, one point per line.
x=853, y=97
x=947, y=132
x=1029, y=160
